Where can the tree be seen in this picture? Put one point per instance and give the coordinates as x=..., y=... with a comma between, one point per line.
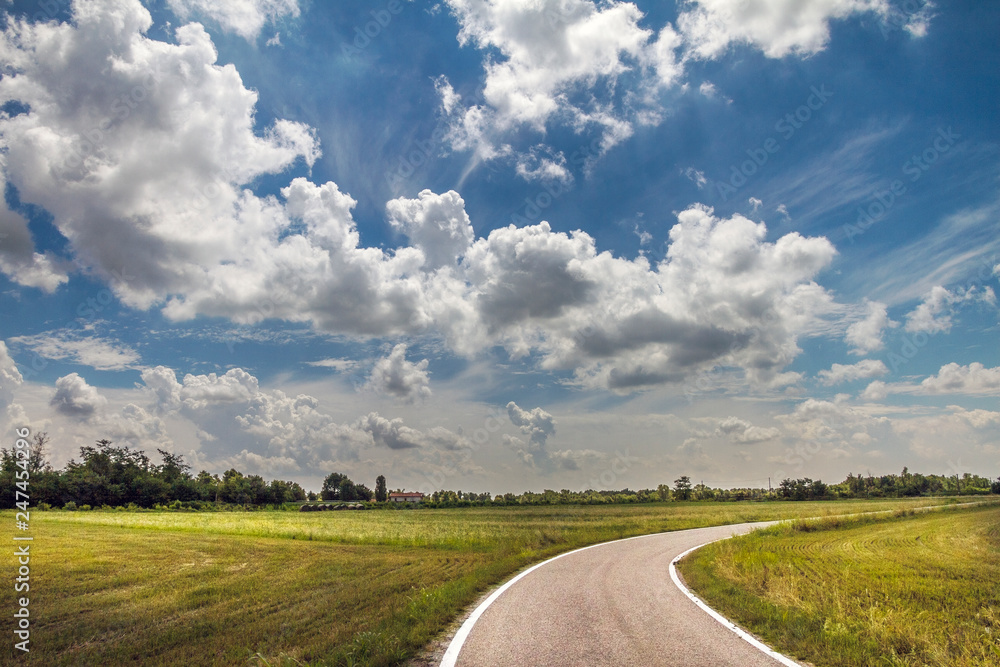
x=682, y=488
x=381, y=495
x=332, y=486
x=995, y=487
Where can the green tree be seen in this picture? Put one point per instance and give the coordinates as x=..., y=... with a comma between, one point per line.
x=682, y=488
x=381, y=495
x=333, y=486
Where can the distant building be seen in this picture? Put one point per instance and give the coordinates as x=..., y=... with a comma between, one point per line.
x=406, y=497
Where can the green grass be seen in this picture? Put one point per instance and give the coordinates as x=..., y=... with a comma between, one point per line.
x=911, y=589
x=331, y=588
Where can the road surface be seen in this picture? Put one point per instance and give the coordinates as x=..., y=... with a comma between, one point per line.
x=612, y=604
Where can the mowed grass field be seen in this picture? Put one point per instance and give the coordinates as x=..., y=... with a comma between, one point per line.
x=919, y=589
x=332, y=588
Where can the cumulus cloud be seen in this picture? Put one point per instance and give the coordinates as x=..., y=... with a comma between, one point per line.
x=840, y=373
x=776, y=27
x=246, y=18
x=721, y=296
x=831, y=428
x=18, y=258
x=75, y=398
x=537, y=424
x=934, y=314
x=865, y=336
x=397, y=377
x=875, y=391
x=155, y=202
x=436, y=224
x=96, y=352
x=390, y=433
x=956, y=379
x=138, y=147
x=548, y=52
x=741, y=431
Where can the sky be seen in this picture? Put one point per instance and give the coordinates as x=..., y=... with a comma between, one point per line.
x=501, y=245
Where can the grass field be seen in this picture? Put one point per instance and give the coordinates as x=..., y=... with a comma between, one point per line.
x=332, y=588
x=919, y=589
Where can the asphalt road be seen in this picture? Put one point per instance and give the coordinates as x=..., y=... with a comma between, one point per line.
x=612, y=604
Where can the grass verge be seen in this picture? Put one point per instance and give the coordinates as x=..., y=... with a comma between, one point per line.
x=906, y=589
x=284, y=588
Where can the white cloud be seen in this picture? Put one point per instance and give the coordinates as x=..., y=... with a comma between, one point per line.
x=741, y=431
x=75, y=398
x=865, y=336
x=138, y=148
x=956, y=379
x=934, y=314
x=339, y=365
x=246, y=18
x=157, y=206
x=840, y=373
x=390, y=433
x=537, y=424
x=755, y=203
x=436, y=224
x=697, y=177
x=100, y=354
x=18, y=258
x=776, y=27
x=395, y=376
x=550, y=50
x=875, y=391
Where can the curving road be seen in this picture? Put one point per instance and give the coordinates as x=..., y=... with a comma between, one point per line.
x=610, y=604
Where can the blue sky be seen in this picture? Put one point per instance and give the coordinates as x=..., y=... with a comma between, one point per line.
x=499, y=245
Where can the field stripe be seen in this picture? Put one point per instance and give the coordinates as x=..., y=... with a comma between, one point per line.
x=737, y=630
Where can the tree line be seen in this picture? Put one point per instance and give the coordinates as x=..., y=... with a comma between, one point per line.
x=110, y=476
x=118, y=476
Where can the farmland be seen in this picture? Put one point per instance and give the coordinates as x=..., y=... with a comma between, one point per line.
x=906, y=590
x=167, y=588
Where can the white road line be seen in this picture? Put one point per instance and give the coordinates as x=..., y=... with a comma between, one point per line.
x=750, y=639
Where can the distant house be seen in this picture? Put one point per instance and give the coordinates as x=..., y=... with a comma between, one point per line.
x=406, y=497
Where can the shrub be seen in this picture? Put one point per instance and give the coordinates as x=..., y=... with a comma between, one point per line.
x=71, y=506
x=85, y=508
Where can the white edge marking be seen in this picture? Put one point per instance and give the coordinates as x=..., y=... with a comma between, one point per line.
x=738, y=631
x=455, y=647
